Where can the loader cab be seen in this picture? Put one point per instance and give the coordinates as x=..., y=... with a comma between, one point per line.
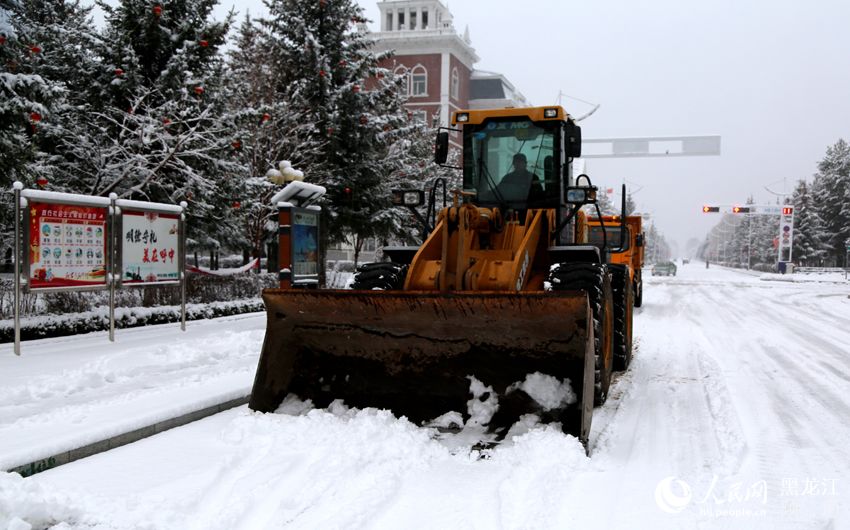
x=515, y=159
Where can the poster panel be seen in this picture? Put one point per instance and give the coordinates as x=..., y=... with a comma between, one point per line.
x=67, y=245
x=305, y=243
x=149, y=247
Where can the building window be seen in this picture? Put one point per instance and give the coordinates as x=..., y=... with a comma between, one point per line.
x=405, y=84
x=389, y=21
x=455, y=84
x=420, y=116
x=424, y=19
x=413, y=20
x=401, y=20
x=419, y=81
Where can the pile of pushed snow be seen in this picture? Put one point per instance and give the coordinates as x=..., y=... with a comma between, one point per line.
x=25, y=505
x=546, y=390
x=316, y=468
x=824, y=277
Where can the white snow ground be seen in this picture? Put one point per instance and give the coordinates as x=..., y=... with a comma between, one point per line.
x=733, y=415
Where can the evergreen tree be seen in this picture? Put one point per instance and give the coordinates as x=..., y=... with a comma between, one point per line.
x=328, y=71
x=27, y=98
x=831, y=190
x=809, y=236
x=267, y=130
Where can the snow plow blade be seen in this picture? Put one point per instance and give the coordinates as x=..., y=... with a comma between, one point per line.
x=412, y=352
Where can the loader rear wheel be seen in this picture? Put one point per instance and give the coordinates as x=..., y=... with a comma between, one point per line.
x=621, y=287
x=595, y=280
x=384, y=276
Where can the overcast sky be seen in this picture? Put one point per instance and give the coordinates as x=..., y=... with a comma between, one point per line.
x=772, y=77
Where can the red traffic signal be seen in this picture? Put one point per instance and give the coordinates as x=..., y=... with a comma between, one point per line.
x=740, y=209
x=710, y=209
x=787, y=210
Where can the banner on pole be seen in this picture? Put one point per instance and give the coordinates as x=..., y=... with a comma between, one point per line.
x=67, y=245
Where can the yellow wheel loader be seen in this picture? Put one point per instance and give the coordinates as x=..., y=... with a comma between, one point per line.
x=505, y=289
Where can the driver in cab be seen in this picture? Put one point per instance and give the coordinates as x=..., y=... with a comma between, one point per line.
x=520, y=184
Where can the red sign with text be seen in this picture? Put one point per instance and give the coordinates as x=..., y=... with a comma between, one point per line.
x=67, y=245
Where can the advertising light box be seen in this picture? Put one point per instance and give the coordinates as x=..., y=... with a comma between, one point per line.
x=150, y=244
x=67, y=245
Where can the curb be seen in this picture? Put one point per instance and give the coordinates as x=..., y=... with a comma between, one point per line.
x=65, y=457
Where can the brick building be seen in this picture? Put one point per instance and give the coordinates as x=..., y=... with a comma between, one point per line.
x=439, y=63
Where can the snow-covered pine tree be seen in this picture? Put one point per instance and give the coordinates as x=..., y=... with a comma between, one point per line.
x=267, y=129
x=809, y=236
x=325, y=59
x=831, y=191
x=27, y=98
x=67, y=36
x=27, y=102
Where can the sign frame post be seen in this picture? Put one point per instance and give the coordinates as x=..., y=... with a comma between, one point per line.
x=18, y=186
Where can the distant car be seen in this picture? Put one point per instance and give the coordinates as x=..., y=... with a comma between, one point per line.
x=685, y=261
x=664, y=268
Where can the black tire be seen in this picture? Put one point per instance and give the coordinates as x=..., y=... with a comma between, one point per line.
x=595, y=280
x=384, y=276
x=621, y=288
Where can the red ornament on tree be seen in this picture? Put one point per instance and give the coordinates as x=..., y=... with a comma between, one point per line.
x=321, y=73
x=355, y=88
x=166, y=121
x=119, y=72
x=343, y=62
x=204, y=43
x=347, y=191
x=266, y=117
x=364, y=120
x=41, y=181
x=236, y=144
x=236, y=205
x=330, y=131
x=323, y=3
x=157, y=10
x=35, y=117
x=199, y=90
x=35, y=48
x=2, y=40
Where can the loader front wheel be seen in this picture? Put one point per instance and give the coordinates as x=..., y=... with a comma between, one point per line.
x=621, y=287
x=384, y=276
x=595, y=280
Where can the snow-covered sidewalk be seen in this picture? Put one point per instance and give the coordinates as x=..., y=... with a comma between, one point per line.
x=66, y=393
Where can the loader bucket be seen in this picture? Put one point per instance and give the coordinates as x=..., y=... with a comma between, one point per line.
x=411, y=352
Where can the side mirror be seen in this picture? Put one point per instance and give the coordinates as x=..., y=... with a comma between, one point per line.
x=572, y=139
x=441, y=150
x=639, y=240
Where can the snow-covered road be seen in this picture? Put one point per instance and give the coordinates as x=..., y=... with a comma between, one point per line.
x=734, y=414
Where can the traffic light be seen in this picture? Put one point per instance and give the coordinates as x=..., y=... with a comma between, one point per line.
x=740, y=209
x=787, y=210
x=710, y=209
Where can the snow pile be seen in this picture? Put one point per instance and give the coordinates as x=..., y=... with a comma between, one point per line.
x=25, y=504
x=825, y=277
x=484, y=402
x=546, y=390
